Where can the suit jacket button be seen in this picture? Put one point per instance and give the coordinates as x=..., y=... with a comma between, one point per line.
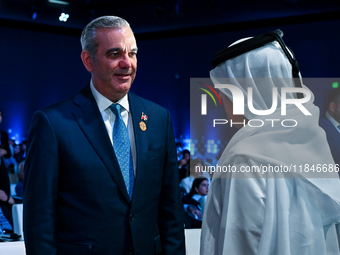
x=132, y=217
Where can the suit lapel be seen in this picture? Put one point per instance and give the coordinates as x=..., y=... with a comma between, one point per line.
x=91, y=123
x=136, y=108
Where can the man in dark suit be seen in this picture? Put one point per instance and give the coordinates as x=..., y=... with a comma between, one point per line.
x=78, y=195
x=330, y=122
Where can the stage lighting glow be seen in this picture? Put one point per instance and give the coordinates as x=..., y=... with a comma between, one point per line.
x=63, y=17
x=59, y=2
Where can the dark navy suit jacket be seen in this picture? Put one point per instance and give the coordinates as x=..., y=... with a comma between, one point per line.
x=333, y=138
x=75, y=199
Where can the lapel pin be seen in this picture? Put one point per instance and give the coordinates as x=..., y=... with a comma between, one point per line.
x=142, y=125
x=144, y=117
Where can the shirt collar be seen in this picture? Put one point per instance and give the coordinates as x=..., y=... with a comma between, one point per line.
x=332, y=120
x=103, y=102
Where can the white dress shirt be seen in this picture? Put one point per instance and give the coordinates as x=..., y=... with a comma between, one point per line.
x=109, y=118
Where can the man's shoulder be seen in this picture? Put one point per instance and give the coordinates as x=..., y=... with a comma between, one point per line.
x=58, y=107
x=332, y=133
x=67, y=103
x=140, y=101
x=324, y=122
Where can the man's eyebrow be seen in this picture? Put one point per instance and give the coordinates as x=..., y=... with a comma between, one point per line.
x=119, y=49
x=113, y=50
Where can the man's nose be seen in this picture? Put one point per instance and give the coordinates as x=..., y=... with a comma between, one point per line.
x=125, y=61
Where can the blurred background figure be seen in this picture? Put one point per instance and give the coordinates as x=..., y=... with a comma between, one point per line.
x=6, y=201
x=19, y=187
x=194, y=203
x=10, y=162
x=330, y=122
x=20, y=152
x=183, y=164
x=179, y=149
x=196, y=170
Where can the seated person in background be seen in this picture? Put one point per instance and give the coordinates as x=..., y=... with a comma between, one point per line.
x=183, y=164
x=179, y=149
x=196, y=166
x=194, y=203
x=4, y=223
x=330, y=122
x=10, y=162
x=21, y=154
x=6, y=201
x=16, y=153
x=19, y=187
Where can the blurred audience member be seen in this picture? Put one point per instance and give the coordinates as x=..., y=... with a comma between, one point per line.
x=179, y=149
x=6, y=201
x=21, y=154
x=10, y=162
x=20, y=185
x=183, y=164
x=16, y=149
x=330, y=122
x=4, y=223
x=194, y=203
x=197, y=169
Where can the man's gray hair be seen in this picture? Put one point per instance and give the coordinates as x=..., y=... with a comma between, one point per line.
x=88, y=36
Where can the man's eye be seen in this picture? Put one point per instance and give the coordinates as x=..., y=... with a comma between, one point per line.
x=132, y=54
x=114, y=54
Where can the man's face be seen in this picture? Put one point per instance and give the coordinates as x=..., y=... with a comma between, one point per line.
x=335, y=108
x=115, y=66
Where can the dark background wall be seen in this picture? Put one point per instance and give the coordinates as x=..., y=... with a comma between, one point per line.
x=40, y=67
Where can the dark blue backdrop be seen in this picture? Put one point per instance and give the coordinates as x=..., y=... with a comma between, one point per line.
x=39, y=68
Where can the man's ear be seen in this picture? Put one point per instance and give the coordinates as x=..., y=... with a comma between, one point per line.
x=332, y=107
x=87, y=60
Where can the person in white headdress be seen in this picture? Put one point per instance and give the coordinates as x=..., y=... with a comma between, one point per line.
x=279, y=213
